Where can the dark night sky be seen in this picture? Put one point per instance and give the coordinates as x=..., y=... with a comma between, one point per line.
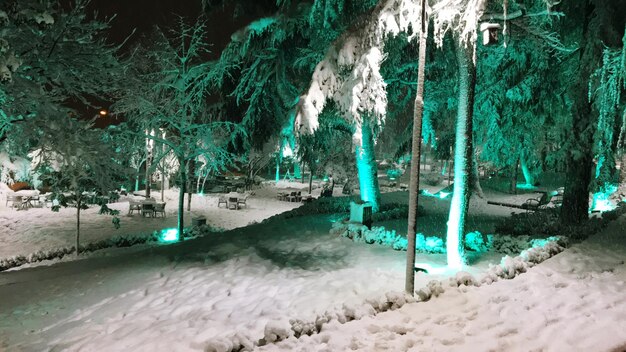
x=142, y=15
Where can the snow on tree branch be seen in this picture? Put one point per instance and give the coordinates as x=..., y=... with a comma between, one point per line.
x=350, y=72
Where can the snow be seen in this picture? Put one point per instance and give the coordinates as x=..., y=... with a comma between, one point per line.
x=283, y=278
x=571, y=302
x=25, y=232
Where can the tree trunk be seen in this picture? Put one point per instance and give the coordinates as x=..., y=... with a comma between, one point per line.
x=148, y=178
x=514, y=172
x=476, y=187
x=192, y=171
x=278, y=168
x=367, y=168
x=463, y=152
x=162, y=184
x=575, y=207
x=449, y=172
x=78, y=205
x=416, y=150
x=579, y=162
x=182, y=173
x=310, y=180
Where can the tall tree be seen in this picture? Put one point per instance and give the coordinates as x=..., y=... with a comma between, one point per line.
x=170, y=93
x=73, y=156
x=593, y=24
x=416, y=153
x=50, y=55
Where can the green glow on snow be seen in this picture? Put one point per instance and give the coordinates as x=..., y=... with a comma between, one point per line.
x=601, y=201
x=169, y=235
x=525, y=186
x=455, y=260
x=443, y=195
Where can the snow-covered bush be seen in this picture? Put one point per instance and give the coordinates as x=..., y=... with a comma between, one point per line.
x=478, y=242
x=433, y=288
x=277, y=330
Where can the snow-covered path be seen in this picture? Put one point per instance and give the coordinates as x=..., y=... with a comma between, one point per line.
x=575, y=301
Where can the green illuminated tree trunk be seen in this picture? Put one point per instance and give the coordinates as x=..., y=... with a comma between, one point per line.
x=367, y=168
x=416, y=149
x=529, y=178
x=463, y=152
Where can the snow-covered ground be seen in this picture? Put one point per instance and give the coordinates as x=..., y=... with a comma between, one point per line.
x=575, y=301
x=181, y=297
x=26, y=231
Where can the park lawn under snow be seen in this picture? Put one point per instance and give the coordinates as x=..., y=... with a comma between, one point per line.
x=182, y=296
x=575, y=301
x=25, y=232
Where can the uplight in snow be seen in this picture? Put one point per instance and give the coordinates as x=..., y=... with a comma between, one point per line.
x=169, y=235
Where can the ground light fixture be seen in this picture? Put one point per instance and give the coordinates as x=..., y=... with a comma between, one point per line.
x=169, y=235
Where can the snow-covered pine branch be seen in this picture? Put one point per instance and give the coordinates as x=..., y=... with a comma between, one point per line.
x=360, y=52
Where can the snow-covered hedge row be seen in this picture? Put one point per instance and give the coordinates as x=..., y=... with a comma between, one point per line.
x=474, y=241
x=116, y=241
x=276, y=331
x=509, y=268
x=279, y=330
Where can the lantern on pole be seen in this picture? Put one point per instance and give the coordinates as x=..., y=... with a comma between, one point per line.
x=490, y=33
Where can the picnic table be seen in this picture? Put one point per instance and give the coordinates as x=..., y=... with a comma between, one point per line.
x=147, y=207
x=233, y=200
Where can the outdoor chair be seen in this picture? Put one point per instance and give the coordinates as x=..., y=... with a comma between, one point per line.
x=292, y=197
x=12, y=199
x=47, y=199
x=242, y=201
x=221, y=200
x=159, y=208
x=133, y=205
x=35, y=201
x=557, y=200
x=147, y=209
x=232, y=203
x=537, y=203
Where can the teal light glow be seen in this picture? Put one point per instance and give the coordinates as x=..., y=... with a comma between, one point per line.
x=366, y=181
x=601, y=200
x=431, y=269
x=525, y=186
x=169, y=235
x=443, y=195
x=287, y=152
x=454, y=256
x=432, y=243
